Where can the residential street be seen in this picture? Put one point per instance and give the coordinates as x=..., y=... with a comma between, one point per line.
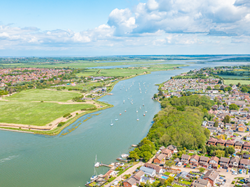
x=129, y=171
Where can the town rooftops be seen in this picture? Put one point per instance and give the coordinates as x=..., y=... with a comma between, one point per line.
x=247, y=144
x=138, y=175
x=215, y=158
x=166, y=151
x=186, y=157
x=148, y=171
x=172, y=147
x=213, y=140
x=221, y=141
x=238, y=143
x=231, y=142
x=212, y=175
x=200, y=183
x=223, y=159
x=131, y=181
x=244, y=161
x=161, y=156
x=204, y=159
x=153, y=166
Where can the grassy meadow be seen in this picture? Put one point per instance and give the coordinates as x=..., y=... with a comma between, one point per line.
x=35, y=113
x=21, y=107
x=125, y=72
x=242, y=82
x=43, y=95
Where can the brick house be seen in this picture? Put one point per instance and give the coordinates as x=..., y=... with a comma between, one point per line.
x=212, y=141
x=167, y=152
x=229, y=143
x=221, y=142
x=224, y=162
x=173, y=149
x=212, y=176
x=234, y=162
x=204, y=161
x=185, y=158
x=134, y=180
x=160, y=158
x=201, y=183
x=246, y=146
x=244, y=163
x=194, y=160
x=158, y=169
x=214, y=161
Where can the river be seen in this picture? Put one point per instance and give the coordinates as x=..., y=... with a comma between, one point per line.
x=28, y=160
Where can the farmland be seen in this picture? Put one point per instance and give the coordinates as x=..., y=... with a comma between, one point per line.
x=242, y=82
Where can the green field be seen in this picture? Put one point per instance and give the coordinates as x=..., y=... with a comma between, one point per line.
x=43, y=95
x=233, y=77
x=125, y=72
x=242, y=82
x=21, y=108
x=35, y=113
x=86, y=64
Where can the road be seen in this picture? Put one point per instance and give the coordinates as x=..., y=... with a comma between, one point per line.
x=129, y=171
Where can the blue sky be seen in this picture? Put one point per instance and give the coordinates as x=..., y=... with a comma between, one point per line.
x=124, y=27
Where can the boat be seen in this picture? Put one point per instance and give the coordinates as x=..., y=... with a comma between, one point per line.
x=111, y=123
x=97, y=164
x=136, y=110
x=94, y=177
x=116, y=119
x=124, y=155
x=137, y=119
x=120, y=113
x=143, y=114
x=125, y=110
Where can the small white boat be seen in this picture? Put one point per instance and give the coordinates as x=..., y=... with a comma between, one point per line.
x=97, y=164
x=124, y=155
x=116, y=119
x=137, y=119
x=136, y=110
x=111, y=123
x=146, y=111
x=120, y=113
x=94, y=177
x=143, y=114
x=125, y=110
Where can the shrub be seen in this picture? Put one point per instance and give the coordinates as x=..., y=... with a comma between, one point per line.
x=61, y=124
x=66, y=115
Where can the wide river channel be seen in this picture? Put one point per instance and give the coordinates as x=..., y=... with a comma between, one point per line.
x=67, y=160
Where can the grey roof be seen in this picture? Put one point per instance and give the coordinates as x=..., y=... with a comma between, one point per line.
x=131, y=180
x=212, y=175
x=200, y=183
x=148, y=171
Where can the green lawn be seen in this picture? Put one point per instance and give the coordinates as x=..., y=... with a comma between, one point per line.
x=245, y=82
x=43, y=95
x=35, y=113
x=125, y=72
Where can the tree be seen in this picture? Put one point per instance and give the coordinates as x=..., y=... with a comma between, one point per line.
x=246, y=109
x=169, y=163
x=227, y=119
x=233, y=107
x=220, y=153
x=216, y=124
x=238, y=85
x=133, y=155
x=224, y=104
x=209, y=88
x=207, y=133
x=244, y=89
x=201, y=170
x=230, y=150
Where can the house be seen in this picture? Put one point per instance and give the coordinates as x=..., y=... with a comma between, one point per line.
x=244, y=163
x=246, y=156
x=201, y=183
x=158, y=169
x=204, y=161
x=182, y=174
x=238, y=145
x=221, y=142
x=160, y=158
x=167, y=152
x=213, y=162
x=229, y=143
x=212, y=141
x=172, y=148
x=148, y=171
x=246, y=146
x=234, y=162
x=134, y=180
x=212, y=177
x=185, y=158
x=194, y=160
x=224, y=162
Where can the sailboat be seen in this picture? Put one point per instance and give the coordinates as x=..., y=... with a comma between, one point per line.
x=97, y=164
x=111, y=123
x=137, y=118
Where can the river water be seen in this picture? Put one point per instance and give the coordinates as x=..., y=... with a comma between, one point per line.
x=28, y=160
